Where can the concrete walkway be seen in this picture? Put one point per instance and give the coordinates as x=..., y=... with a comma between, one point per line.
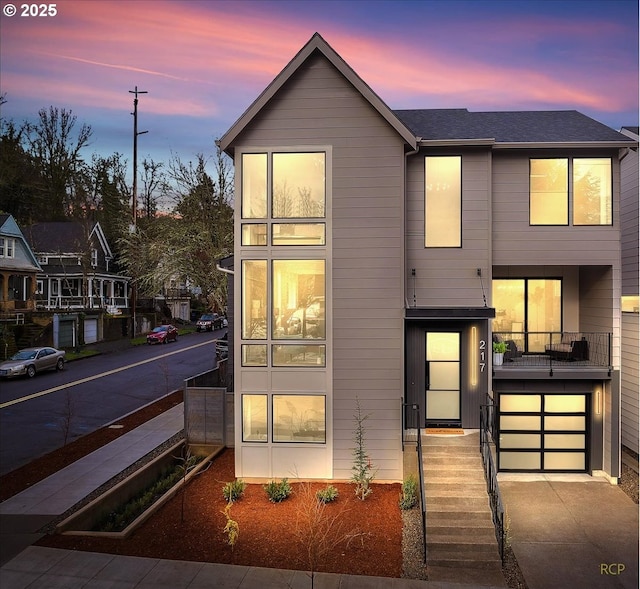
x=563, y=530
x=22, y=515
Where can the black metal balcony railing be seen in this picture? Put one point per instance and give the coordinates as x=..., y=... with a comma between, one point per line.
x=545, y=349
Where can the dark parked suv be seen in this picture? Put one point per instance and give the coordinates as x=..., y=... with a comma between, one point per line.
x=209, y=322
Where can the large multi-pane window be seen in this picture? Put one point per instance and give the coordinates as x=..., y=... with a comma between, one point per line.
x=443, y=201
x=283, y=291
x=530, y=307
x=589, y=194
x=288, y=192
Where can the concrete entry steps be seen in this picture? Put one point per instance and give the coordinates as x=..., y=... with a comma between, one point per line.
x=461, y=542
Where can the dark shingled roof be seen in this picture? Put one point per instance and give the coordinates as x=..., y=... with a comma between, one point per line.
x=558, y=126
x=56, y=236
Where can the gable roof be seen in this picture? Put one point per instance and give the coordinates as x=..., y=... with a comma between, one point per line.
x=64, y=237
x=513, y=127
x=567, y=128
x=315, y=44
x=9, y=227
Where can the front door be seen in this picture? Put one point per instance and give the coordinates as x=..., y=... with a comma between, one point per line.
x=442, y=378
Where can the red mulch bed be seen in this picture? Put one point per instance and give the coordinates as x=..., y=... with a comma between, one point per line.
x=365, y=537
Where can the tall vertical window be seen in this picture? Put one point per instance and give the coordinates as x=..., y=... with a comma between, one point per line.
x=443, y=201
x=254, y=186
x=298, y=299
x=549, y=192
x=254, y=299
x=254, y=418
x=7, y=247
x=592, y=191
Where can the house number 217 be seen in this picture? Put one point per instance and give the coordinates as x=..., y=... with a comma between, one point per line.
x=483, y=351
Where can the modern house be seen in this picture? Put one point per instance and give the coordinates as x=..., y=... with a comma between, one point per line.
x=18, y=269
x=630, y=356
x=379, y=253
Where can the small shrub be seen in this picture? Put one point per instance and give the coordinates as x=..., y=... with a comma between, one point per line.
x=233, y=491
x=278, y=491
x=327, y=495
x=363, y=472
x=409, y=495
x=231, y=529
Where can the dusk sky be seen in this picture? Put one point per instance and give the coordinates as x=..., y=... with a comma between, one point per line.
x=204, y=62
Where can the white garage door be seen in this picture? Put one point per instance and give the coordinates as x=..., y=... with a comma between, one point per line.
x=543, y=432
x=90, y=331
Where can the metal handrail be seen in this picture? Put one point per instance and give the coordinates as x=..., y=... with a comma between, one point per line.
x=423, y=498
x=487, y=432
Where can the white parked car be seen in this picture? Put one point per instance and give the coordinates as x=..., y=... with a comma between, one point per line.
x=30, y=361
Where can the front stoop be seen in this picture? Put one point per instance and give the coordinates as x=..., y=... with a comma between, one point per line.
x=461, y=542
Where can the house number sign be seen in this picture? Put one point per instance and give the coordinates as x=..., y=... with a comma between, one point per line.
x=483, y=352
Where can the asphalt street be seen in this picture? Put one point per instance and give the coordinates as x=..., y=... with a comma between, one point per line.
x=41, y=414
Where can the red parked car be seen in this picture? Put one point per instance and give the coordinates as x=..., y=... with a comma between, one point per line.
x=162, y=335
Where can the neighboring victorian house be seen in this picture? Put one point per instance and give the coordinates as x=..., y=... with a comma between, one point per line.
x=378, y=254
x=76, y=277
x=629, y=197
x=18, y=269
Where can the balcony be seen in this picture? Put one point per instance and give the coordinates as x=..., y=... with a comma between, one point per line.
x=77, y=303
x=584, y=354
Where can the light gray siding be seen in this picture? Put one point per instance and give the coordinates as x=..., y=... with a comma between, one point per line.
x=516, y=242
x=447, y=277
x=629, y=198
x=318, y=107
x=630, y=381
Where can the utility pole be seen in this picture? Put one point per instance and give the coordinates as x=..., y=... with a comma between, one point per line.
x=134, y=198
x=134, y=204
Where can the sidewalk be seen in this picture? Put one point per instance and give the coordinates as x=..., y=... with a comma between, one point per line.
x=563, y=530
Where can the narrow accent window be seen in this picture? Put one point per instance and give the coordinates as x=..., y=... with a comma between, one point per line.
x=443, y=201
x=298, y=234
x=254, y=299
x=254, y=354
x=254, y=234
x=254, y=186
x=299, y=355
x=549, y=192
x=254, y=418
x=592, y=191
x=299, y=418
